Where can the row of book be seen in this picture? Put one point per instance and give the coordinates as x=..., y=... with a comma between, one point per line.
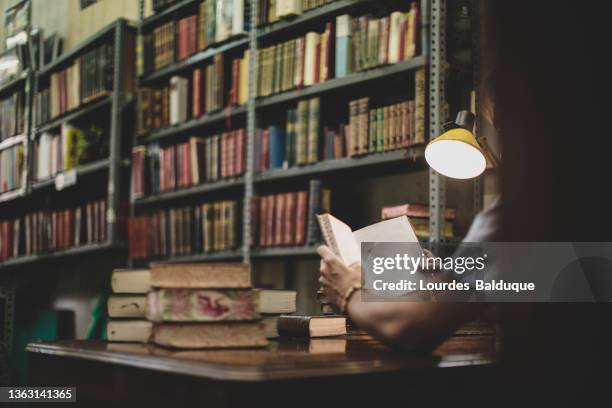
x=296, y=63
x=366, y=42
x=297, y=144
x=194, y=306
x=11, y=168
x=89, y=77
x=12, y=119
x=210, y=227
x=369, y=130
x=190, y=98
x=271, y=11
x=215, y=22
x=358, y=43
x=418, y=214
x=72, y=147
x=289, y=219
x=42, y=231
x=390, y=127
x=200, y=160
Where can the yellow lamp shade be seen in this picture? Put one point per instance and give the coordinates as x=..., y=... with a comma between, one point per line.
x=456, y=154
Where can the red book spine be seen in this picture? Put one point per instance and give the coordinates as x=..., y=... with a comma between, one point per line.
x=289, y=219
x=279, y=217
x=223, y=148
x=403, y=28
x=329, y=57
x=162, y=169
x=196, y=83
x=233, y=99
x=171, y=168
x=233, y=155
x=183, y=165
x=270, y=220
x=188, y=164
x=183, y=37
x=263, y=211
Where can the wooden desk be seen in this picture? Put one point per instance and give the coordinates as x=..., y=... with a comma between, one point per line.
x=341, y=369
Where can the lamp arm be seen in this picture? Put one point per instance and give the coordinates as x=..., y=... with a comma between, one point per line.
x=488, y=151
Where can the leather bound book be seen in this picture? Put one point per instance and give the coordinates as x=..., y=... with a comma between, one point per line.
x=301, y=212
x=200, y=276
x=270, y=220
x=210, y=335
x=197, y=305
x=311, y=326
x=279, y=213
x=263, y=211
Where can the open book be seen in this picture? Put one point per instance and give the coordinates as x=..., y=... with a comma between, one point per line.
x=346, y=243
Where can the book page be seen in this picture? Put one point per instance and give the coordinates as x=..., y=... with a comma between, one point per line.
x=350, y=250
x=393, y=230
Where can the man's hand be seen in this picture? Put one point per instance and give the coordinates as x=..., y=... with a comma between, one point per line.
x=336, y=278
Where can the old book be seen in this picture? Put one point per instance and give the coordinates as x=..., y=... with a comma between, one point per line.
x=129, y=330
x=274, y=301
x=346, y=243
x=353, y=134
x=271, y=326
x=197, y=305
x=414, y=210
x=302, y=131
x=201, y=276
x=301, y=215
x=210, y=335
x=313, y=130
x=312, y=43
x=343, y=46
x=363, y=118
x=311, y=326
x=313, y=234
x=327, y=346
x=420, y=87
x=126, y=306
x=131, y=281
x=412, y=29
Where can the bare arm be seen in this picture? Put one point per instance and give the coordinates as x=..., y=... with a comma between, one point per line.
x=413, y=325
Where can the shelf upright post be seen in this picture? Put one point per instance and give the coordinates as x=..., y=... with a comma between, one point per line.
x=29, y=126
x=117, y=104
x=475, y=28
x=251, y=126
x=437, y=84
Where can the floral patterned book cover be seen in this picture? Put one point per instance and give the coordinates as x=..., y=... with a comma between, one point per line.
x=198, y=305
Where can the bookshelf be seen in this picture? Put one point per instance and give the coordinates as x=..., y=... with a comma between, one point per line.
x=90, y=179
x=257, y=109
x=22, y=83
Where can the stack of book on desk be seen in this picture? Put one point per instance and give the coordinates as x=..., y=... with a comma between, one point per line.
x=195, y=306
x=126, y=307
